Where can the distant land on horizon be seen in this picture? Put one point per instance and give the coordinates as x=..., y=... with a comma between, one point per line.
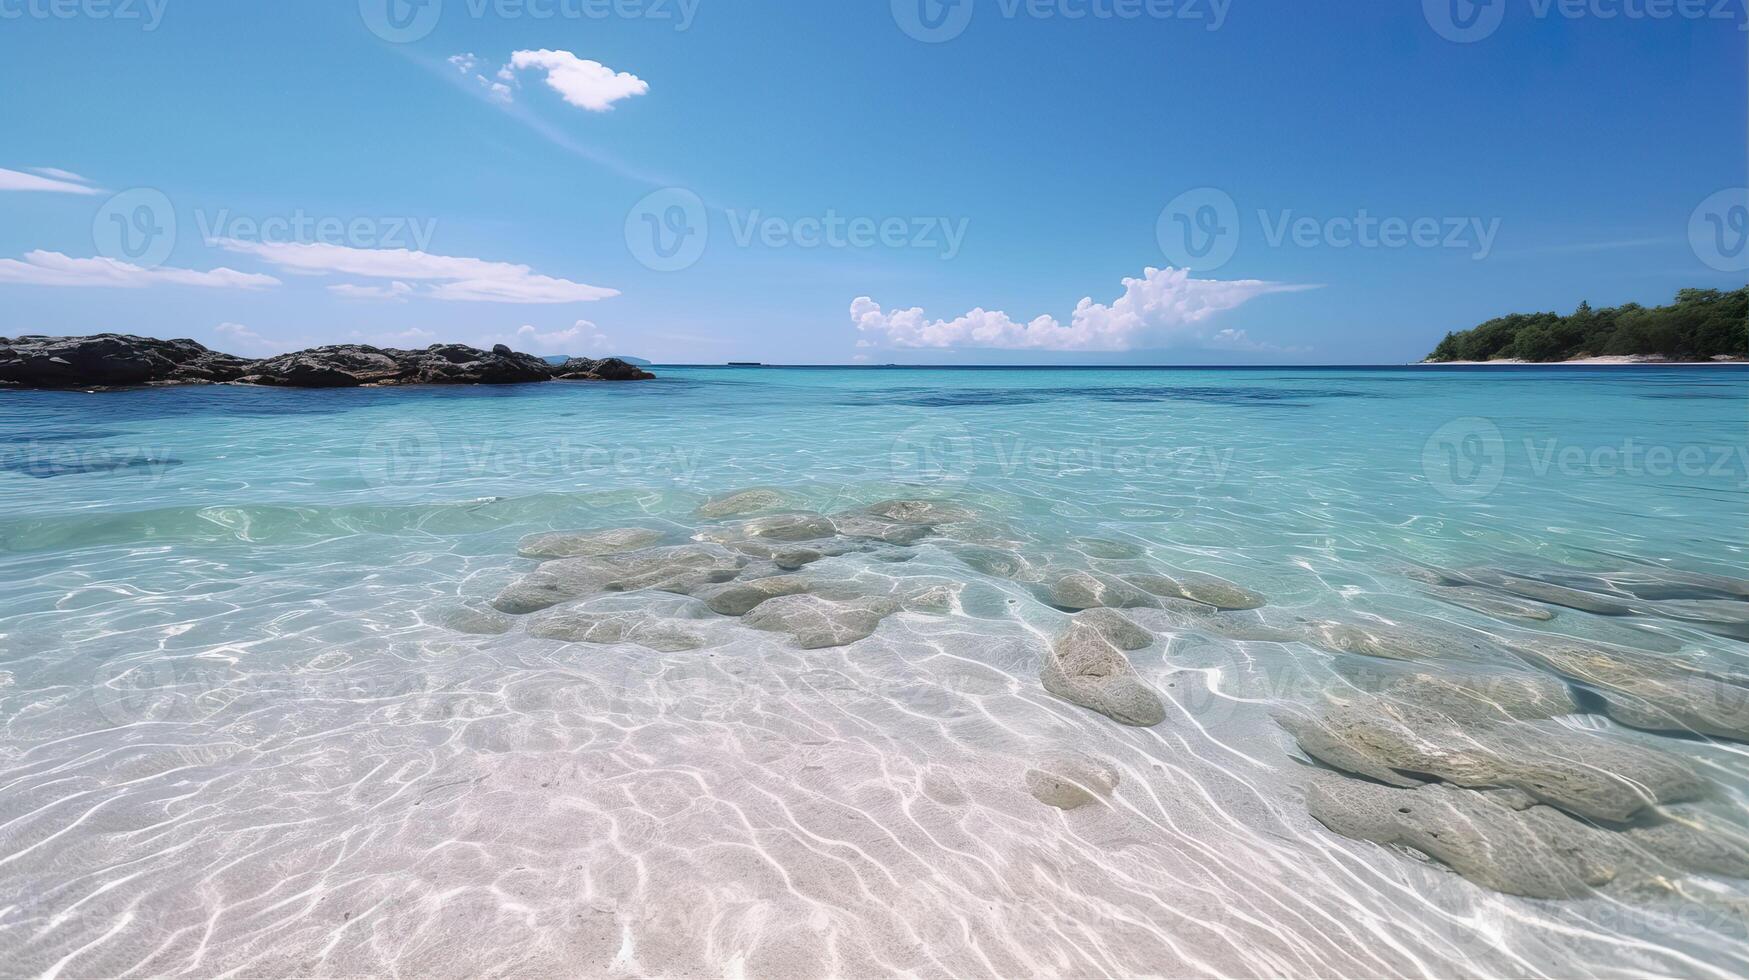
x=1701, y=325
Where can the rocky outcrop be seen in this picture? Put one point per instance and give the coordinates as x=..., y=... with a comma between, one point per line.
x=353, y=365
x=603, y=369
x=121, y=360
x=112, y=360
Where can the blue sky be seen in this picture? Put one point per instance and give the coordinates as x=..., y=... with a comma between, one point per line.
x=544, y=173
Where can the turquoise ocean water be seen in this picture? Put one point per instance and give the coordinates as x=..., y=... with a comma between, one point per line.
x=241, y=731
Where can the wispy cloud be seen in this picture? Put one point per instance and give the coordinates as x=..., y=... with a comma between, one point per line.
x=444, y=277
x=46, y=179
x=394, y=292
x=1163, y=308
x=239, y=334
x=41, y=268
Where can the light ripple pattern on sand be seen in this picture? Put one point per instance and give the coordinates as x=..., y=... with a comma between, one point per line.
x=239, y=735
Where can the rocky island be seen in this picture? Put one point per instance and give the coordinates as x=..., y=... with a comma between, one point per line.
x=121, y=360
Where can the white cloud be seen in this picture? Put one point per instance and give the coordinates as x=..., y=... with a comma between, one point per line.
x=41, y=268
x=580, y=338
x=447, y=277
x=585, y=84
x=1162, y=307
x=46, y=179
x=247, y=337
x=394, y=292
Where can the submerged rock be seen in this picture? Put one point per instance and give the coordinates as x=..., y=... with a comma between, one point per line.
x=1069, y=780
x=798, y=526
x=1391, y=641
x=1490, y=603
x=1586, y=774
x=1537, y=852
x=682, y=569
x=814, y=621
x=998, y=562
x=1206, y=589
x=1481, y=695
x=469, y=618
x=877, y=529
x=740, y=597
x=1116, y=627
x=1085, y=668
x=576, y=626
x=745, y=502
x=919, y=512
x=579, y=544
x=1108, y=549
x=1090, y=590
x=1641, y=691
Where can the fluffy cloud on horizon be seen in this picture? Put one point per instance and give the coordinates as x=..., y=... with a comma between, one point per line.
x=1165, y=307
x=40, y=268
x=451, y=278
x=578, y=339
x=50, y=179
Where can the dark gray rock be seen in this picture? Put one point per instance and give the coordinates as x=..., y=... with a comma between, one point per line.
x=353, y=365
x=121, y=360
x=602, y=369
x=111, y=361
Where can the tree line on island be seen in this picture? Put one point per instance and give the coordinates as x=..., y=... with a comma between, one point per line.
x=1702, y=324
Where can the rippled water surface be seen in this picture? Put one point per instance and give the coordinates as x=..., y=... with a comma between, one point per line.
x=260, y=716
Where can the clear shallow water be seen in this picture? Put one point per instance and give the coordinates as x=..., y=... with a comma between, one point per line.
x=240, y=734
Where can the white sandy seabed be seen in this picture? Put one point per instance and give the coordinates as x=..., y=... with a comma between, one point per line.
x=363, y=790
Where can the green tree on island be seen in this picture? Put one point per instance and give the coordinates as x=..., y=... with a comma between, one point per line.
x=1701, y=324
